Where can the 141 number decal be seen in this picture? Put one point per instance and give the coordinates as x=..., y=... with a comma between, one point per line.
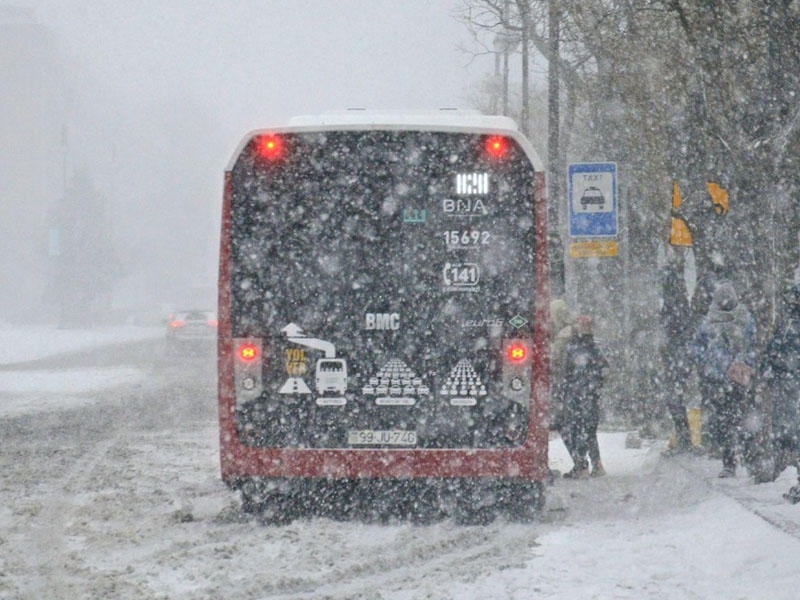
x=461, y=275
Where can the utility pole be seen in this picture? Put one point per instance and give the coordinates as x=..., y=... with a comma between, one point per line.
x=506, y=50
x=496, y=82
x=502, y=46
x=555, y=171
x=525, y=116
x=505, y=80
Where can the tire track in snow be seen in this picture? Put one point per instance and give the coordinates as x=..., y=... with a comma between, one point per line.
x=465, y=554
x=50, y=529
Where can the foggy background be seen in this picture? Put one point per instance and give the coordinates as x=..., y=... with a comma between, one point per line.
x=119, y=118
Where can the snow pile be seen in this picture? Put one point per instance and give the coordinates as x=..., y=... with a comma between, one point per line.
x=21, y=344
x=28, y=388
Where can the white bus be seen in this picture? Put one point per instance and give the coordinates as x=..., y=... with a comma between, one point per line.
x=405, y=256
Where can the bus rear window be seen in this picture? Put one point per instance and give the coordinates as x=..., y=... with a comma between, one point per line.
x=386, y=273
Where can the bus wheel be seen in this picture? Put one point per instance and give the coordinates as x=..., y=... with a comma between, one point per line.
x=252, y=497
x=474, y=515
x=277, y=509
x=271, y=507
x=425, y=505
x=333, y=499
x=525, y=501
x=471, y=508
x=386, y=502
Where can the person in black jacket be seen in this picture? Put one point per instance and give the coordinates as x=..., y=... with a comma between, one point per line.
x=724, y=347
x=780, y=368
x=675, y=316
x=584, y=367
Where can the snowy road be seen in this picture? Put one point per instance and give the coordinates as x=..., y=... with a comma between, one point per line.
x=118, y=496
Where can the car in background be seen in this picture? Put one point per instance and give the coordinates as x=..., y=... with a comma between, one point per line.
x=192, y=328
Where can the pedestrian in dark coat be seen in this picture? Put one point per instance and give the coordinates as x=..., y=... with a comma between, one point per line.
x=584, y=371
x=724, y=349
x=675, y=316
x=563, y=330
x=699, y=306
x=781, y=374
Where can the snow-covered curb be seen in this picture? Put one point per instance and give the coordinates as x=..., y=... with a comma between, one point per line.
x=20, y=344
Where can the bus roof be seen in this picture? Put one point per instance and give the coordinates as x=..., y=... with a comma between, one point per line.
x=423, y=120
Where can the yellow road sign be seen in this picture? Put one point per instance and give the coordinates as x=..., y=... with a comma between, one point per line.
x=593, y=248
x=719, y=197
x=679, y=234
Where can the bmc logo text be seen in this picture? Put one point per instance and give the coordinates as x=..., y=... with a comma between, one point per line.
x=385, y=321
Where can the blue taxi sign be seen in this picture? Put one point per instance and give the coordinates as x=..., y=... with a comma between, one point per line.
x=593, y=205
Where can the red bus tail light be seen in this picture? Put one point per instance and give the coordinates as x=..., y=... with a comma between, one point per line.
x=271, y=147
x=517, y=369
x=496, y=146
x=247, y=367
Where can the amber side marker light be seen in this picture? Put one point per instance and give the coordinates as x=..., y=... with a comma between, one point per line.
x=516, y=352
x=247, y=352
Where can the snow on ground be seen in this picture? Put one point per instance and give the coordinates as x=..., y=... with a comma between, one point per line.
x=21, y=344
x=653, y=528
x=715, y=549
x=36, y=391
x=25, y=390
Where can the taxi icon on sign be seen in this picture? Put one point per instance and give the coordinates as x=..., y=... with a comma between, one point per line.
x=592, y=195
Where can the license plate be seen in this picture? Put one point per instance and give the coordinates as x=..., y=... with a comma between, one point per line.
x=378, y=437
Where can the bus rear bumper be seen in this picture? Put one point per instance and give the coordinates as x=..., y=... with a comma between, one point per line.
x=422, y=500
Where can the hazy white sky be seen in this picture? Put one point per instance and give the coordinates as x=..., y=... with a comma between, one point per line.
x=251, y=62
x=162, y=91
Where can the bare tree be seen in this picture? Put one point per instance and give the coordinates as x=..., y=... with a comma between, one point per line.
x=86, y=266
x=696, y=91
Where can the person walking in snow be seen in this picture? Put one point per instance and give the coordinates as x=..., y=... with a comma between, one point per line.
x=724, y=348
x=780, y=369
x=584, y=371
